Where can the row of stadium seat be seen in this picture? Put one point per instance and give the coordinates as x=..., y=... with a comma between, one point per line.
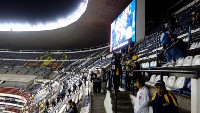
x=179, y=84
x=187, y=61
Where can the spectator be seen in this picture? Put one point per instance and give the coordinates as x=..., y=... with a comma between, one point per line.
x=95, y=84
x=165, y=37
x=99, y=84
x=104, y=80
x=73, y=108
x=93, y=75
x=84, y=79
x=165, y=41
x=173, y=22
x=58, y=98
x=53, y=103
x=80, y=83
x=69, y=91
x=178, y=49
x=195, y=18
x=74, y=87
x=69, y=105
x=163, y=101
x=63, y=95
x=47, y=104
x=142, y=99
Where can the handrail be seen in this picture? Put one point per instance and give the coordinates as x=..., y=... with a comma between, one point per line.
x=174, y=70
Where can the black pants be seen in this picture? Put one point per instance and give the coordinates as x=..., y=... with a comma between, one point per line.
x=99, y=87
x=116, y=81
x=95, y=86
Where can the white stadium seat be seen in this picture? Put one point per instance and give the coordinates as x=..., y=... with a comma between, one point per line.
x=188, y=61
x=196, y=60
x=179, y=83
x=198, y=46
x=170, y=82
x=193, y=46
x=179, y=62
x=165, y=78
x=158, y=77
x=152, y=79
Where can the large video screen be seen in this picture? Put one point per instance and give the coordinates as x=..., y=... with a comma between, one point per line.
x=123, y=27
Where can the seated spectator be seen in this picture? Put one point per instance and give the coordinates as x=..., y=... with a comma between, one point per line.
x=178, y=49
x=195, y=18
x=173, y=23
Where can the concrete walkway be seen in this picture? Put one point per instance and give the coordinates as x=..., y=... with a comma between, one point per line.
x=98, y=103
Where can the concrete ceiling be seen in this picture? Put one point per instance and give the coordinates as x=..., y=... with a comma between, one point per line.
x=92, y=29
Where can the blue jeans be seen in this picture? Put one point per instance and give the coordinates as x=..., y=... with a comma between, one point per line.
x=174, y=54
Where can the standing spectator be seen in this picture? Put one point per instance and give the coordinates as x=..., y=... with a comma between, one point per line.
x=63, y=95
x=117, y=71
x=84, y=79
x=163, y=101
x=69, y=91
x=95, y=84
x=74, y=87
x=73, y=109
x=53, y=103
x=165, y=37
x=80, y=83
x=93, y=75
x=58, y=98
x=98, y=84
x=142, y=99
x=47, y=104
x=104, y=80
x=69, y=105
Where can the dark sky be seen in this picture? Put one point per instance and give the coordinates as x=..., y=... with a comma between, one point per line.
x=35, y=10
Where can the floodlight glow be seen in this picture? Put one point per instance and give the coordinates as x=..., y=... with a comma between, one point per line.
x=58, y=23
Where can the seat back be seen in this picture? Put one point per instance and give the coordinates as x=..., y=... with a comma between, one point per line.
x=152, y=79
x=165, y=79
x=180, y=82
x=188, y=84
x=179, y=62
x=171, y=81
x=193, y=46
x=196, y=60
x=188, y=61
x=198, y=46
x=157, y=78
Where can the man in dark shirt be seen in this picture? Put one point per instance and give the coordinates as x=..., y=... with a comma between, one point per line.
x=178, y=49
x=163, y=101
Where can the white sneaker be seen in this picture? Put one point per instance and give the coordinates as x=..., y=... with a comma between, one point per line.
x=169, y=64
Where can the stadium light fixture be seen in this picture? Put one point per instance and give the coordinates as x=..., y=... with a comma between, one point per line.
x=58, y=23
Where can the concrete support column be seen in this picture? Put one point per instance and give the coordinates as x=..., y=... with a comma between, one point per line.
x=195, y=95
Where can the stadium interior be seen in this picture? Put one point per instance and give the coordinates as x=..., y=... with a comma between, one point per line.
x=54, y=53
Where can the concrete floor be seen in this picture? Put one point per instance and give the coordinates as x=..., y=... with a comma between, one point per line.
x=98, y=103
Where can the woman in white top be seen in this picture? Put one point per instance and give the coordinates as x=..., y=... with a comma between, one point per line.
x=141, y=105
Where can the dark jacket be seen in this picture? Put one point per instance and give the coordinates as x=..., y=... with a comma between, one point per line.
x=167, y=103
